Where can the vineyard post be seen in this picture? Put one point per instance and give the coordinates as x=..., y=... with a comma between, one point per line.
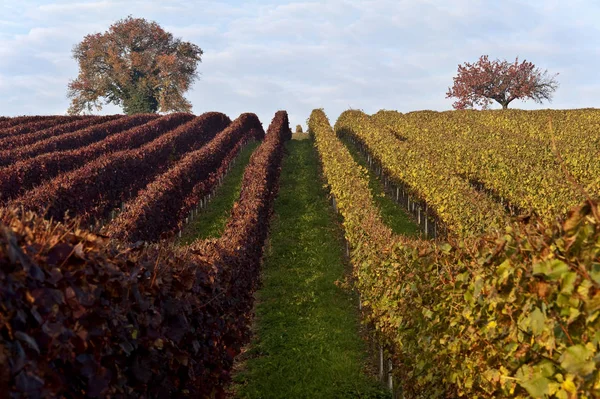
x=381, y=363
x=390, y=376
x=426, y=230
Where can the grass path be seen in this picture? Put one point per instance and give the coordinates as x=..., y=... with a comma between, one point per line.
x=392, y=214
x=307, y=342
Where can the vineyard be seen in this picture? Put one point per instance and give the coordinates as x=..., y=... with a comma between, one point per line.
x=508, y=303
x=497, y=296
x=85, y=314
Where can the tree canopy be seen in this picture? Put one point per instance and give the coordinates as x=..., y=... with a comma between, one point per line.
x=485, y=81
x=134, y=64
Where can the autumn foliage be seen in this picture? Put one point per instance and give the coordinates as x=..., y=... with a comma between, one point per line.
x=507, y=314
x=118, y=175
x=159, y=209
x=85, y=316
x=136, y=65
x=33, y=164
x=485, y=81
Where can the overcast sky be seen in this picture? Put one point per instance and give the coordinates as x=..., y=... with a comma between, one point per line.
x=261, y=56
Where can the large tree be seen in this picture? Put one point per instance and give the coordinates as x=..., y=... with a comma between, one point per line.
x=135, y=64
x=486, y=81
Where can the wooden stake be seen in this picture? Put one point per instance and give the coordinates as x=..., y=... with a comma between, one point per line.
x=381, y=363
x=390, y=376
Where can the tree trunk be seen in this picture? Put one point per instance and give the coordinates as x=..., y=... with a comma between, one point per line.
x=504, y=105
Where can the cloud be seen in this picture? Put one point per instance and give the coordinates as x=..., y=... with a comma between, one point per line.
x=261, y=56
x=74, y=7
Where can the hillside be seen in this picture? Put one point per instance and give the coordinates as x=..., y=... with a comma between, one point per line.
x=426, y=254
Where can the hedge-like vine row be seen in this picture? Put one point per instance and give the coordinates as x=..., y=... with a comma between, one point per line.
x=122, y=134
x=8, y=122
x=84, y=316
x=84, y=137
x=526, y=170
x=23, y=125
x=158, y=209
x=10, y=142
x=462, y=208
x=510, y=314
x=99, y=186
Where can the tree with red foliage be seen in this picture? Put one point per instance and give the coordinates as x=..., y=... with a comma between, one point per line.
x=500, y=81
x=136, y=65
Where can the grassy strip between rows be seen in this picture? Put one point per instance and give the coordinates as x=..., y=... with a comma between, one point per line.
x=392, y=213
x=307, y=342
x=211, y=221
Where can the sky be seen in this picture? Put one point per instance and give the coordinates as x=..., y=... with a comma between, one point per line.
x=263, y=56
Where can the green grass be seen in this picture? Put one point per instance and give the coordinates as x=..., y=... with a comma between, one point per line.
x=211, y=221
x=392, y=214
x=307, y=342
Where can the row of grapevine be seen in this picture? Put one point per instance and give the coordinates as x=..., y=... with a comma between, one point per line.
x=83, y=315
x=425, y=218
x=507, y=314
x=84, y=137
x=122, y=134
x=459, y=206
x=9, y=142
x=28, y=124
x=159, y=209
x=7, y=122
x=527, y=171
x=92, y=191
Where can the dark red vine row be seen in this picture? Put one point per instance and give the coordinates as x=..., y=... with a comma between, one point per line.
x=8, y=123
x=123, y=134
x=83, y=316
x=91, y=191
x=80, y=138
x=10, y=142
x=156, y=210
